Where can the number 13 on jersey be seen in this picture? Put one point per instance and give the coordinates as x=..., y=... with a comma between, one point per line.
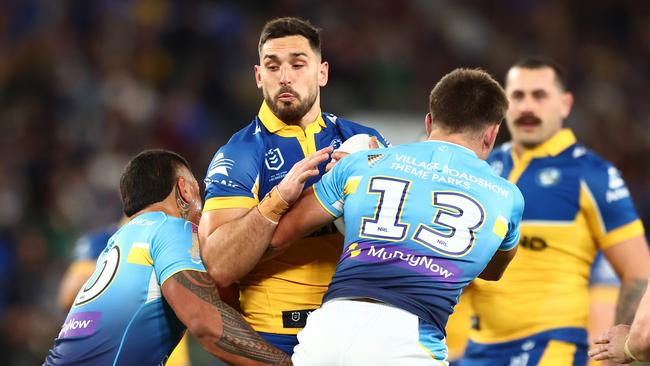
x=457, y=218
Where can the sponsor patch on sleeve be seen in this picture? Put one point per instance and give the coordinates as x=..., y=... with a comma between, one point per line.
x=80, y=324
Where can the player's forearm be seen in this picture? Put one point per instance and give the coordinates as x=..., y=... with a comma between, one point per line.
x=639, y=343
x=639, y=335
x=239, y=340
x=233, y=249
x=219, y=328
x=630, y=295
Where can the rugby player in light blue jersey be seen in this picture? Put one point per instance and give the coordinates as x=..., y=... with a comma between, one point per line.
x=150, y=284
x=422, y=221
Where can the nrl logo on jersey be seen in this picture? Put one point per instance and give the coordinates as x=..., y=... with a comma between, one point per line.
x=274, y=159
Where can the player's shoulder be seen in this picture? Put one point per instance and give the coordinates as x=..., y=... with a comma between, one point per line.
x=350, y=128
x=249, y=137
x=588, y=160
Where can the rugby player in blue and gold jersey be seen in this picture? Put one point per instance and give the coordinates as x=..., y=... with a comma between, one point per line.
x=576, y=204
x=150, y=285
x=278, y=294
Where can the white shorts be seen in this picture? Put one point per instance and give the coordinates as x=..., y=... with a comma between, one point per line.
x=352, y=332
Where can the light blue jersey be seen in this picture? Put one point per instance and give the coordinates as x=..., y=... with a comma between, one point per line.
x=421, y=222
x=119, y=316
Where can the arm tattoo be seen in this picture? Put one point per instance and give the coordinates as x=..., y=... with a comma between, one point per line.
x=238, y=338
x=628, y=300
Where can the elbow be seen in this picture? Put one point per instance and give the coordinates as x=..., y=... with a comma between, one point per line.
x=491, y=275
x=204, y=332
x=221, y=278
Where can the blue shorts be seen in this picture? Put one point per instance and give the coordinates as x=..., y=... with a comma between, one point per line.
x=283, y=342
x=557, y=347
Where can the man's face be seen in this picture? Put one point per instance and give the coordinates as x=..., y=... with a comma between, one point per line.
x=538, y=105
x=290, y=75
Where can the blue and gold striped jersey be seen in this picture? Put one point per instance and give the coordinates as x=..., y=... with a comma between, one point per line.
x=576, y=203
x=421, y=222
x=276, y=294
x=120, y=316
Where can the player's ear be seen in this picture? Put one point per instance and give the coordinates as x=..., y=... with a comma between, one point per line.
x=428, y=122
x=323, y=73
x=183, y=195
x=490, y=136
x=258, y=76
x=567, y=103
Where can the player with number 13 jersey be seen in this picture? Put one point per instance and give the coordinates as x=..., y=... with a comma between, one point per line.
x=432, y=216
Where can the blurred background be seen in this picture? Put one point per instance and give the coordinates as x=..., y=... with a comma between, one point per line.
x=84, y=85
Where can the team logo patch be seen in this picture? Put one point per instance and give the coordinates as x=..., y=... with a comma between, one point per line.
x=80, y=324
x=615, y=179
x=274, y=159
x=549, y=177
x=220, y=165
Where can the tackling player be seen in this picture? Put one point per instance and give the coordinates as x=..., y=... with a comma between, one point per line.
x=150, y=284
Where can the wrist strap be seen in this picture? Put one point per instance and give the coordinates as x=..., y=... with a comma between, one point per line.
x=626, y=350
x=273, y=206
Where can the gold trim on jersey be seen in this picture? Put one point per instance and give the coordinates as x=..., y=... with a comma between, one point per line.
x=552, y=147
x=306, y=137
x=622, y=233
x=139, y=254
x=606, y=239
x=215, y=203
x=351, y=185
x=320, y=202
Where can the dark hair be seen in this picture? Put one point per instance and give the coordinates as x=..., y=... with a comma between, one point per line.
x=149, y=178
x=467, y=100
x=290, y=26
x=540, y=62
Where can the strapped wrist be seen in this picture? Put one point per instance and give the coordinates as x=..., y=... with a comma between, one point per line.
x=626, y=349
x=273, y=206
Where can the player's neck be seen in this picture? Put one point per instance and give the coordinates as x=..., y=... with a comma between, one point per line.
x=168, y=206
x=458, y=139
x=311, y=115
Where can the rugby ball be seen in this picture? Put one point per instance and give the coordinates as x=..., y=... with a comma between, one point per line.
x=355, y=143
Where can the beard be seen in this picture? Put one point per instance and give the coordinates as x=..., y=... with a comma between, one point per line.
x=290, y=112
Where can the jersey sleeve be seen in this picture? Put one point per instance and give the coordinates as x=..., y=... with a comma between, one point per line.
x=232, y=177
x=608, y=205
x=175, y=248
x=512, y=236
x=330, y=190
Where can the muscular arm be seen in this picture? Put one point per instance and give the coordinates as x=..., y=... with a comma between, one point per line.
x=498, y=264
x=219, y=328
x=305, y=216
x=232, y=242
x=631, y=261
